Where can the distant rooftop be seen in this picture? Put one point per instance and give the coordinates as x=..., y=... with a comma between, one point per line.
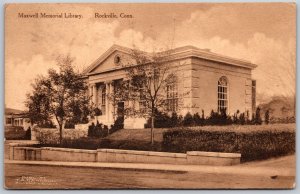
x=9, y=111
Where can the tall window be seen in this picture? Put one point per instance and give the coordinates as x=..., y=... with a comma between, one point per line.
x=142, y=101
x=222, y=94
x=172, y=96
x=103, y=100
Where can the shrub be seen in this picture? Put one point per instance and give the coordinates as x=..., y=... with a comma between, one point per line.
x=199, y=121
x=97, y=130
x=282, y=120
x=97, y=112
x=91, y=130
x=69, y=125
x=96, y=143
x=242, y=119
x=28, y=134
x=254, y=145
x=174, y=120
x=161, y=120
x=15, y=133
x=129, y=145
x=267, y=117
x=257, y=119
x=219, y=118
x=119, y=124
x=46, y=124
x=188, y=120
x=50, y=136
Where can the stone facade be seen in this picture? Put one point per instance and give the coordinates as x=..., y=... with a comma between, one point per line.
x=199, y=73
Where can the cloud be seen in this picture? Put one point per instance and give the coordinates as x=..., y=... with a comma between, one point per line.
x=227, y=30
x=83, y=42
x=18, y=77
x=275, y=58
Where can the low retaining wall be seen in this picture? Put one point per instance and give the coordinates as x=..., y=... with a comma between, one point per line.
x=192, y=157
x=14, y=144
x=213, y=158
x=124, y=156
x=132, y=156
x=26, y=153
x=69, y=155
x=53, y=154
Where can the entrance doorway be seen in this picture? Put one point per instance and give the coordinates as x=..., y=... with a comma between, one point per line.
x=120, y=112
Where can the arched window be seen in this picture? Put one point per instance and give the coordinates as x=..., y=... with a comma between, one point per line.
x=222, y=94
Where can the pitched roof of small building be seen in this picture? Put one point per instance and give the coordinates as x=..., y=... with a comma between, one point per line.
x=16, y=112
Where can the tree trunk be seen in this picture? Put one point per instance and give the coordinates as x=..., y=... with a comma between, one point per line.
x=152, y=130
x=60, y=125
x=60, y=133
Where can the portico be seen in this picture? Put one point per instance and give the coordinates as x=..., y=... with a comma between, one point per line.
x=99, y=92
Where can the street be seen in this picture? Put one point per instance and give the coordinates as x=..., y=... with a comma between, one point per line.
x=31, y=176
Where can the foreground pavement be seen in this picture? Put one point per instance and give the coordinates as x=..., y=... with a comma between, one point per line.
x=95, y=175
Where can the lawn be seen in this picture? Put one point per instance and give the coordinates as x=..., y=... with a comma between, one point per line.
x=138, y=134
x=290, y=127
x=144, y=134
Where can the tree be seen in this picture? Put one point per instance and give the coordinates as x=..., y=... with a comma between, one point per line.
x=188, y=119
x=143, y=88
x=257, y=119
x=174, y=121
x=61, y=94
x=38, y=103
x=267, y=117
x=197, y=119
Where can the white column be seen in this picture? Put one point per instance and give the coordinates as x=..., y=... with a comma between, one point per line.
x=91, y=93
x=94, y=94
x=111, y=106
x=106, y=101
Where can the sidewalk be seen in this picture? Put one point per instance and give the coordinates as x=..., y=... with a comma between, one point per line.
x=238, y=169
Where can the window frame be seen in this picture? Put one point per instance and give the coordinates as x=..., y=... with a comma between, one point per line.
x=103, y=99
x=223, y=94
x=172, y=96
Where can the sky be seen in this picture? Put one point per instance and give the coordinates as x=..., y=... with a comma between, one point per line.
x=263, y=33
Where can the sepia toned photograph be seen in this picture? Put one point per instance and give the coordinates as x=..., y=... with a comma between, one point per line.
x=150, y=96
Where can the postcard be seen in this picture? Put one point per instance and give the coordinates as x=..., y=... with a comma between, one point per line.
x=150, y=96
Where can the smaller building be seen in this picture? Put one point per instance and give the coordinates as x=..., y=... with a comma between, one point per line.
x=14, y=117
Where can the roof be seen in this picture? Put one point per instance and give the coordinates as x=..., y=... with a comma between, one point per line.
x=13, y=111
x=177, y=53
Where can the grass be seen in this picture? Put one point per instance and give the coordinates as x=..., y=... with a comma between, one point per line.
x=138, y=134
x=290, y=127
x=144, y=134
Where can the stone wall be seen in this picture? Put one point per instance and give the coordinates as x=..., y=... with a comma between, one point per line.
x=68, y=155
x=124, y=156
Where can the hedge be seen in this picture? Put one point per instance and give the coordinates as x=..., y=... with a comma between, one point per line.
x=97, y=143
x=16, y=133
x=256, y=145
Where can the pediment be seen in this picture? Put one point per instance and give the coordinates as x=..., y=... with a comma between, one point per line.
x=114, y=58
